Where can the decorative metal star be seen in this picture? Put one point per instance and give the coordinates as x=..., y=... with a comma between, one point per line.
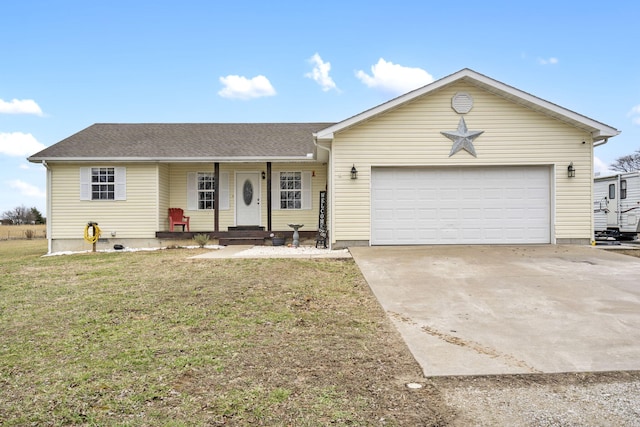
x=463, y=138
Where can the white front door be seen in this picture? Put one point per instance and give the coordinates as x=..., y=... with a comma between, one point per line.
x=248, y=198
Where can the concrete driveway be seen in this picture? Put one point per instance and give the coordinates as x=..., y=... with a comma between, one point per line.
x=481, y=310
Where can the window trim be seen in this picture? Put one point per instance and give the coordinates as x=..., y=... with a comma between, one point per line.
x=623, y=189
x=612, y=191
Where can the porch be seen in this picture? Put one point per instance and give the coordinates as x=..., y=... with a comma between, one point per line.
x=239, y=235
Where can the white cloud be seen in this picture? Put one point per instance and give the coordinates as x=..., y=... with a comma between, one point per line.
x=635, y=115
x=238, y=87
x=394, y=78
x=19, y=144
x=18, y=106
x=24, y=166
x=26, y=189
x=548, y=61
x=601, y=168
x=320, y=73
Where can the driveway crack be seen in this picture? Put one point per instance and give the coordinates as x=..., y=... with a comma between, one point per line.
x=471, y=345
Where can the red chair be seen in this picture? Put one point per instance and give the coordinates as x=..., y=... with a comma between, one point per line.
x=176, y=217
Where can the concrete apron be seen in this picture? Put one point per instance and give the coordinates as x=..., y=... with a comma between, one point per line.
x=484, y=310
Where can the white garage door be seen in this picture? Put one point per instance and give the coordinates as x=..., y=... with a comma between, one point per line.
x=501, y=205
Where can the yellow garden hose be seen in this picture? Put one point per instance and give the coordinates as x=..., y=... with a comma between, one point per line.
x=96, y=232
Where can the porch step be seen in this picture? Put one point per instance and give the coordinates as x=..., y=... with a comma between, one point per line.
x=243, y=235
x=246, y=228
x=228, y=241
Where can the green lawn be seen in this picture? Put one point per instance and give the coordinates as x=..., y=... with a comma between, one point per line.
x=156, y=338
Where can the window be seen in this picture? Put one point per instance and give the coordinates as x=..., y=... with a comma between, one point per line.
x=612, y=191
x=623, y=189
x=206, y=190
x=103, y=183
x=290, y=190
x=201, y=194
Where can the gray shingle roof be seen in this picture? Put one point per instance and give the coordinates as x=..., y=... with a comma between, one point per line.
x=196, y=141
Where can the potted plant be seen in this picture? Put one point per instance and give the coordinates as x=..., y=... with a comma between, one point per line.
x=277, y=239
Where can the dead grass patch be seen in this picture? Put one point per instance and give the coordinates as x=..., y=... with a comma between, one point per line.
x=12, y=232
x=155, y=338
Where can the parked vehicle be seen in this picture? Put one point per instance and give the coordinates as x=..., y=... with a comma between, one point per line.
x=617, y=206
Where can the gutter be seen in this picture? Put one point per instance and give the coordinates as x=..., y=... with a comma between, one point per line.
x=306, y=158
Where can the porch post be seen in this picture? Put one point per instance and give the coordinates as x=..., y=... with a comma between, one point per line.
x=216, y=199
x=269, y=196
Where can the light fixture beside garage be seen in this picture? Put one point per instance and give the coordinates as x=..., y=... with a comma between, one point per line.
x=354, y=172
x=571, y=171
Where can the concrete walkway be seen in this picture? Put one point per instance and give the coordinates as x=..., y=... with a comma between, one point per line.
x=249, y=251
x=478, y=310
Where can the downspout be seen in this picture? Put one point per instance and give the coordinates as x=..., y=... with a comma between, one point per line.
x=48, y=208
x=216, y=200
x=269, y=201
x=330, y=189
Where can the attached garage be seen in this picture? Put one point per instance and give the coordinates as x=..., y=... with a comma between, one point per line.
x=464, y=160
x=460, y=205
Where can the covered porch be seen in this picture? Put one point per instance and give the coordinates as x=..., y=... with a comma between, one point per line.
x=243, y=202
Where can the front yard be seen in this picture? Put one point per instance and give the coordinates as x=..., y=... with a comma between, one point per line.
x=155, y=338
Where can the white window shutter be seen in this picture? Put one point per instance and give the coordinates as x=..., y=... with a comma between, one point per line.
x=192, y=191
x=223, y=188
x=85, y=183
x=120, y=177
x=306, y=190
x=275, y=191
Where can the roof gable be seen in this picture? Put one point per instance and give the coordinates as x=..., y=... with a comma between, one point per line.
x=599, y=131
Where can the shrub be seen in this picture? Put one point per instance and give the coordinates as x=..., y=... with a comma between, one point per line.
x=201, y=239
x=29, y=234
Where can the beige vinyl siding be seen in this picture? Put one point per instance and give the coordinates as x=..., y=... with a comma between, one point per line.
x=163, y=196
x=135, y=217
x=513, y=135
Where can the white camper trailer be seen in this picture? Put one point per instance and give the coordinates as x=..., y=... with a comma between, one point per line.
x=617, y=206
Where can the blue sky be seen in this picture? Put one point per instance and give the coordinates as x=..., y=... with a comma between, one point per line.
x=67, y=64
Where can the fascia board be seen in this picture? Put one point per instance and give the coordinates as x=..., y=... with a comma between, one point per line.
x=174, y=159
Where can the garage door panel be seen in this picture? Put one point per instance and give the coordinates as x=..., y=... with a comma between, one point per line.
x=460, y=205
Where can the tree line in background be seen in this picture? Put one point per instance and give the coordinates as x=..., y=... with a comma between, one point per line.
x=628, y=163
x=24, y=215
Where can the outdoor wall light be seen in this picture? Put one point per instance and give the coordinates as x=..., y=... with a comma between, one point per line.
x=571, y=171
x=354, y=172
x=264, y=175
